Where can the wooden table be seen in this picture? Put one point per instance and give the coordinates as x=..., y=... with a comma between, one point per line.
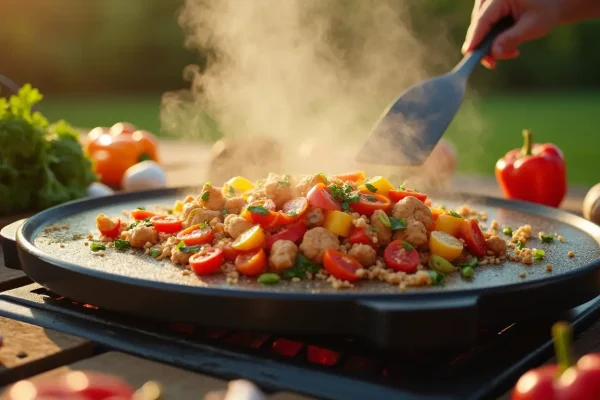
x=31, y=351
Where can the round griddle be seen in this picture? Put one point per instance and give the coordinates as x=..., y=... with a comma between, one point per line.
x=432, y=317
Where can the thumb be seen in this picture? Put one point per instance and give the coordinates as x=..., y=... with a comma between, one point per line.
x=526, y=28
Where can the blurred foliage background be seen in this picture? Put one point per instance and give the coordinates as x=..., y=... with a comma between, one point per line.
x=100, y=61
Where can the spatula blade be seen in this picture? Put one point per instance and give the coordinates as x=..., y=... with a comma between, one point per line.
x=411, y=127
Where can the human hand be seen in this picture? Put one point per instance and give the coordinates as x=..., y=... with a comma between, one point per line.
x=533, y=19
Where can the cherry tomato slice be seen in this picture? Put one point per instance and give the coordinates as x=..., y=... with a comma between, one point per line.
x=355, y=176
x=229, y=253
x=292, y=210
x=114, y=229
x=320, y=197
x=340, y=265
x=471, y=233
x=397, y=195
x=401, y=257
x=166, y=224
x=141, y=214
x=359, y=235
x=207, y=261
x=196, y=234
x=261, y=212
x=251, y=263
x=294, y=234
x=368, y=203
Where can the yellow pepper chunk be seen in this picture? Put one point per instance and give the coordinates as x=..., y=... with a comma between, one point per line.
x=236, y=186
x=338, y=222
x=445, y=245
x=449, y=224
x=382, y=185
x=178, y=207
x=251, y=239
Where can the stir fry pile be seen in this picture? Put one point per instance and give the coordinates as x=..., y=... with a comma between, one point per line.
x=341, y=229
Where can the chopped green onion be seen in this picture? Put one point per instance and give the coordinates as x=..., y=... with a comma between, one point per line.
x=473, y=262
x=407, y=246
x=224, y=211
x=538, y=254
x=181, y=246
x=122, y=244
x=268, y=279
x=231, y=190
x=385, y=221
x=400, y=187
x=146, y=222
x=455, y=214
x=440, y=264
x=371, y=188
x=436, y=277
x=97, y=246
x=547, y=238
x=442, y=207
x=284, y=183
x=301, y=267
x=507, y=231
x=467, y=272
x=204, y=196
x=140, y=208
x=208, y=184
x=397, y=224
x=520, y=245
x=169, y=211
x=258, y=210
x=154, y=253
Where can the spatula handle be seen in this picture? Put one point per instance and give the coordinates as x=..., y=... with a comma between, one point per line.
x=472, y=59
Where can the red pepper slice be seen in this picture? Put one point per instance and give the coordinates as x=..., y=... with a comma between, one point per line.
x=534, y=173
x=397, y=195
x=471, y=233
x=359, y=235
x=294, y=234
x=261, y=212
x=141, y=214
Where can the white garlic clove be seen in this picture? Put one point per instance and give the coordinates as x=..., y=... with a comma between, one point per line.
x=143, y=176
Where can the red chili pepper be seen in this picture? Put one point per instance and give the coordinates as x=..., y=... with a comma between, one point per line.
x=534, y=173
x=564, y=381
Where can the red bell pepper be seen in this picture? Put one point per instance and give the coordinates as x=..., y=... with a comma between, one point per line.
x=534, y=173
x=564, y=381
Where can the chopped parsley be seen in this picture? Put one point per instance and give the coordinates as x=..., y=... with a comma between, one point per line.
x=397, y=224
x=145, y=222
x=407, y=246
x=455, y=214
x=400, y=187
x=204, y=196
x=538, y=254
x=97, y=246
x=169, y=211
x=436, y=277
x=520, y=245
x=507, y=231
x=292, y=213
x=187, y=249
x=122, y=244
x=345, y=194
x=547, y=238
x=371, y=188
x=154, y=253
x=258, y=210
x=140, y=208
x=231, y=190
x=284, y=183
x=259, y=182
x=224, y=211
x=301, y=267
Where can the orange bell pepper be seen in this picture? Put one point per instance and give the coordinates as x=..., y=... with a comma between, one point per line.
x=114, y=151
x=534, y=173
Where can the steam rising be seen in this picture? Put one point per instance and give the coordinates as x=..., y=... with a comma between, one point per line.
x=312, y=74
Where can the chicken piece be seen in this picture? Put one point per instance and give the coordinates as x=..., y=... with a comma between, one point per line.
x=412, y=208
x=314, y=216
x=235, y=205
x=180, y=257
x=364, y=254
x=384, y=234
x=188, y=208
x=283, y=255
x=415, y=234
x=211, y=198
x=496, y=245
x=308, y=182
x=200, y=215
x=142, y=234
x=236, y=225
x=280, y=191
x=316, y=241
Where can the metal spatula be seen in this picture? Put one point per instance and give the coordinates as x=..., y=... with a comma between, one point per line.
x=411, y=127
